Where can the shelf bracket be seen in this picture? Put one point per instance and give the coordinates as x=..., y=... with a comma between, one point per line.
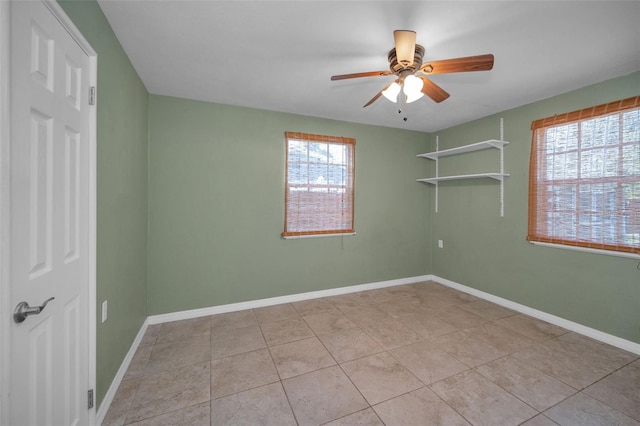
x=436, y=183
x=502, y=168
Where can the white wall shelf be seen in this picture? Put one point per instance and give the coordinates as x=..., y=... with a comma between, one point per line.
x=492, y=143
x=496, y=176
x=488, y=144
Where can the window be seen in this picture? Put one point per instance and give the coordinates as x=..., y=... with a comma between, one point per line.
x=319, y=185
x=584, y=178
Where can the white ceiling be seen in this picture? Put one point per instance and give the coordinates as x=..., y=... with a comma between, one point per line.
x=279, y=55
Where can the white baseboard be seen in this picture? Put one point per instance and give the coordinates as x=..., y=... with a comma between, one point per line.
x=115, y=383
x=195, y=313
x=609, y=339
x=213, y=310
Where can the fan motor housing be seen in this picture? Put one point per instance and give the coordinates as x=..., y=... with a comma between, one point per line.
x=398, y=68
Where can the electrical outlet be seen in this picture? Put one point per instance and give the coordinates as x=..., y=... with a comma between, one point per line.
x=104, y=311
x=440, y=244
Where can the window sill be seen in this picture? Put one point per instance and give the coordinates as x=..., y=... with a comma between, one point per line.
x=588, y=250
x=297, y=237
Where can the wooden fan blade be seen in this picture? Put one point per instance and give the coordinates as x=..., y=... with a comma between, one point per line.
x=432, y=90
x=405, y=44
x=360, y=74
x=466, y=64
x=375, y=98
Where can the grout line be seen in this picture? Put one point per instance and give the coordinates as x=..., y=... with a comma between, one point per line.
x=284, y=390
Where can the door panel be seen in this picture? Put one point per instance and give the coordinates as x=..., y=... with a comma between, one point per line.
x=49, y=219
x=40, y=181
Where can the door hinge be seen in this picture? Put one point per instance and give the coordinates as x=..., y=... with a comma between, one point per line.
x=90, y=398
x=92, y=95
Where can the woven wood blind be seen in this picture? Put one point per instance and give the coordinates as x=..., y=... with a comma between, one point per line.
x=319, y=185
x=584, y=178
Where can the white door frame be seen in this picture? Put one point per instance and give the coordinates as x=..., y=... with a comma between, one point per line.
x=5, y=221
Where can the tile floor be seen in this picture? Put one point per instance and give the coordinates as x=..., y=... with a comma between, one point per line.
x=420, y=354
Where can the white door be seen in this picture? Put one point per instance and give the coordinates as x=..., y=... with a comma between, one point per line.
x=49, y=219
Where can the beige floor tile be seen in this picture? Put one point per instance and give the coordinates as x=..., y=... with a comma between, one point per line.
x=503, y=339
x=289, y=330
x=459, y=318
x=391, y=333
x=480, y=362
x=376, y=296
x=178, y=353
x=444, y=298
x=365, y=314
x=328, y=322
x=398, y=308
x=151, y=335
x=427, y=324
x=275, y=313
x=322, y=396
x=482, y=402
x=436, y=299
x=184, y=329
x=380, y=377
x=488, y=310
x=550, y=358
x=525, y=382
x=197, y=415
x=366, y=417
x=139, y=362
x=429, y=286
x=346, y=300
x=428, y=362
x=620, y=390
x=350, y=344
x=171, y=390
x=406, y=291
x=417, y=408
x=126, y=393
x=468, y=348
x=233, y=320
x=245, y=339
x=302, y=356
x=241, y=372
x=459, y=297
x=531, y=327
x=583, y=410
x=266, y=406
x=598, y=354
x=307, y=307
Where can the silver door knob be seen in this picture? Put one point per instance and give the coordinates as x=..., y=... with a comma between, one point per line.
x=23, y=310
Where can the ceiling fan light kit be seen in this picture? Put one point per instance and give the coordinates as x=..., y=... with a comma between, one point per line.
x=392, y=92
x=405, y=60
x=412, y=88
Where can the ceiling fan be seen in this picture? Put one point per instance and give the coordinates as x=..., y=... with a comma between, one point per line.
x=405, y=61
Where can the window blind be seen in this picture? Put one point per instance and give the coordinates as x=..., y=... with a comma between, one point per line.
x=319, y=185
x=584, y=178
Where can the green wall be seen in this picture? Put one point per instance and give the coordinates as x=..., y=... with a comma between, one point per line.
x=216, y=207
x=122, y=103
x=490, y=253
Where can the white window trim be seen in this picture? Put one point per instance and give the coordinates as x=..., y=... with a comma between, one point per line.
x=588, y=250
x=339, y=234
